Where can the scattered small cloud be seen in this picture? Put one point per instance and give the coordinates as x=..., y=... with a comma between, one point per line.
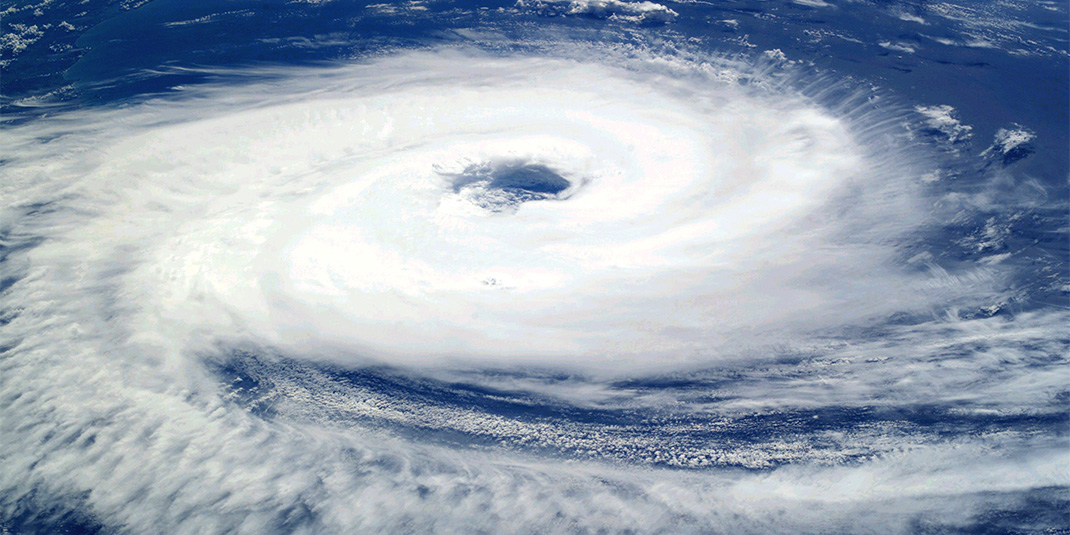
x=775, y=54
x=1011, y=144
x=941, y=120
x=22, y=36
x=898, y=47
x=911, y=18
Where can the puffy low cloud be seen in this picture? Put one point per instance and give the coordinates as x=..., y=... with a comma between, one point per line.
x=643, y=12
x=942, y=120
x=1011, y=144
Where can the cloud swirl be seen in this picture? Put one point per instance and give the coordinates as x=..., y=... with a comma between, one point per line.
x=491, y=220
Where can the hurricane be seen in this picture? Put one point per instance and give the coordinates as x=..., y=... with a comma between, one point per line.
x=554, y=267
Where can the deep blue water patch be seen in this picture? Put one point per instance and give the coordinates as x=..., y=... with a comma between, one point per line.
x=1044, y=510
x=40, y=514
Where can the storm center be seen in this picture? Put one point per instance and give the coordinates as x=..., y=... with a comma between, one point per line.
x=504, y=186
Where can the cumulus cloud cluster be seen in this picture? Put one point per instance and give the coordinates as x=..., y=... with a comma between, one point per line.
x=1011, y=144
x=642, y=12
x=942, y=119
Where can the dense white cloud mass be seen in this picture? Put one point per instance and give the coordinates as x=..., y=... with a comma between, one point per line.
x=358, y=219
x=643, y=12
x=461, y=212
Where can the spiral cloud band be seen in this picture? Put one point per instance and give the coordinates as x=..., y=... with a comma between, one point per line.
x=562, y=210
x=195, y=278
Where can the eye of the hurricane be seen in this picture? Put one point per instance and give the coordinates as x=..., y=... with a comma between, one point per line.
x=504, y=186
